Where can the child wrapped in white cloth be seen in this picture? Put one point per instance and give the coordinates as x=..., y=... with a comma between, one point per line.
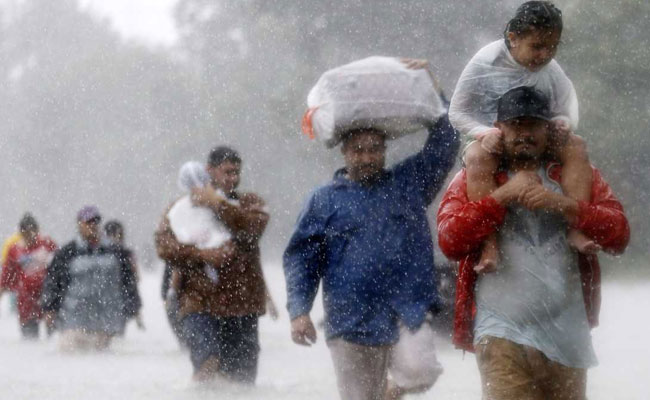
x=194, y=225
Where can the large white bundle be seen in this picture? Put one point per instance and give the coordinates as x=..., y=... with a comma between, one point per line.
x=491, y=73
x=378, y=92
x=196, y=225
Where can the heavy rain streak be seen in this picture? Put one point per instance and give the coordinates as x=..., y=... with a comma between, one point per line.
x=285, y=199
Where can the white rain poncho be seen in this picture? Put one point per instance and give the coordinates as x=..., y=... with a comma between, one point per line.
x=376, y=92
x=491, y=73
x=196, y=225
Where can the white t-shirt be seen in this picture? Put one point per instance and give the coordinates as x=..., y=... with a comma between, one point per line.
x=535, y=296
x=491, y=73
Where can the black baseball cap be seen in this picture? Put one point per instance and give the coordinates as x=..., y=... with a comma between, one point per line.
x=523, y=101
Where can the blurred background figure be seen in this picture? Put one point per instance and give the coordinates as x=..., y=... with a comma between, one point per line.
x=15, y=237
x=170, y=289
x=114, y=231
x=88, y=291
x=25, y=267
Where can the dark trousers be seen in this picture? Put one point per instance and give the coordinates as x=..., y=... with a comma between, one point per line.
x=232, y=340
x=29, y=329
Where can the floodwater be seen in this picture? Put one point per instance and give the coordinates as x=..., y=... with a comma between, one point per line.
x=149, y=365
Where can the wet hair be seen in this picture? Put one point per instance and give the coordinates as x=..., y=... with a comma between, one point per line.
x=28, y=223
x=349, y=134
x=534, y=15
x=113, y=227
x=221, y=154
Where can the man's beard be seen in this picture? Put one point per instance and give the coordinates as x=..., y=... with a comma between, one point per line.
x=524, y=155
x=372, y=174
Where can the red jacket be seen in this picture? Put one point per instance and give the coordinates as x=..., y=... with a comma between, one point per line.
x=24, y=272
x=464, y=225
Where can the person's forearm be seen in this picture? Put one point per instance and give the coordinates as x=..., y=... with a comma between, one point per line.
x=232, y=216
x=302, y=285
x=463, y=225
x=298, y=306
x=170, y=250
x=604, y=222
x=503, y=195
x=217, y=257
x=443, y=141
x=570, y=209
x=250, y=222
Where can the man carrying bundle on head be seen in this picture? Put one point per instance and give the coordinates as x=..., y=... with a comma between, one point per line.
x=366, y=234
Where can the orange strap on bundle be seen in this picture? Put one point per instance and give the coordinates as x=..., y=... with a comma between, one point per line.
x=307, y=127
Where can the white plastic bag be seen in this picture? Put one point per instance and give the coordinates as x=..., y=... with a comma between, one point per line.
x=377, y=92
x=491, y=73
x=413, y=361
x=196, y=225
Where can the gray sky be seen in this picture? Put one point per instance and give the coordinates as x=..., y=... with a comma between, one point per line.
x=145, y=20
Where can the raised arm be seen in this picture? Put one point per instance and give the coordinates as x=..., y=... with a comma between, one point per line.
x=427, y=170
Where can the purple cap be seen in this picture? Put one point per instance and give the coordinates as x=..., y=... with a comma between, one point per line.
x=88, y=213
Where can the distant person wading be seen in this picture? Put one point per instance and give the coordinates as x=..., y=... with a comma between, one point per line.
x=24, y=271
x=218, y=284
x=89, y=291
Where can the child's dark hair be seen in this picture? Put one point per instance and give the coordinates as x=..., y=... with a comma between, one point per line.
x=28, y=223
x=221, y=154
x=113, y=228
x=534, y=15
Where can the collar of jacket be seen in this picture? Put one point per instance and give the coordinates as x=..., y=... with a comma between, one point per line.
x=553, y=172
x=82, y=243
x=341, y=179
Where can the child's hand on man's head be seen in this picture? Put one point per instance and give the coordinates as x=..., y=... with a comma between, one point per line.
x=561, y=124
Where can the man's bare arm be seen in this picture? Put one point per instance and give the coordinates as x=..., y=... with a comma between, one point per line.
x=538, y=197
x=248, y=220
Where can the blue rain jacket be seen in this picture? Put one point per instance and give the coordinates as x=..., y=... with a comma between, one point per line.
x=371, y=247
